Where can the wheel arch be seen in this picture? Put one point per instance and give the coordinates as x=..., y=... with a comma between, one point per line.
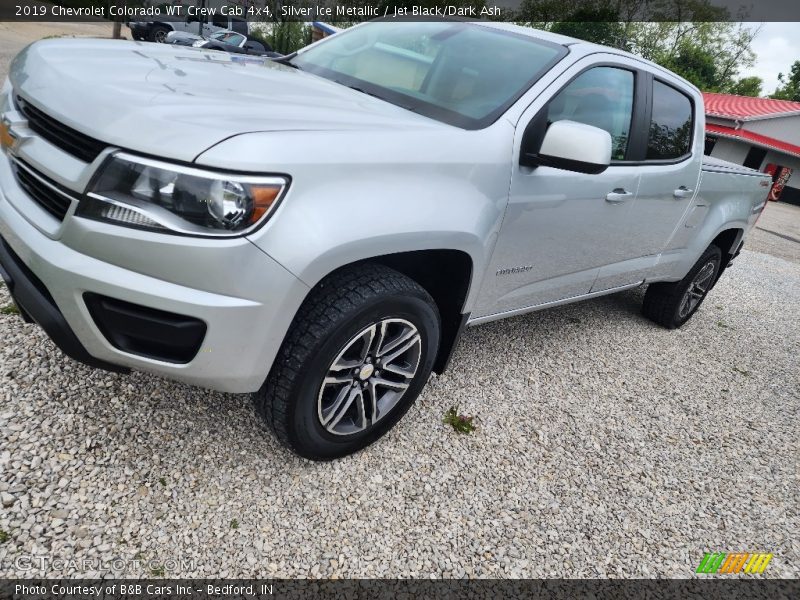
x=729, y=241
x=447, y=275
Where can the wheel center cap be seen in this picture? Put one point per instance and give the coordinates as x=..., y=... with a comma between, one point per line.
x=366, y=372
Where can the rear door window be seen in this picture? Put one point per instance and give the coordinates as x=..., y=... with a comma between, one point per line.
x=670, y=133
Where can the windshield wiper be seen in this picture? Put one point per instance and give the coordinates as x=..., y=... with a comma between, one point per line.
x=363, y=91
x=286, y=60
x=379, y=97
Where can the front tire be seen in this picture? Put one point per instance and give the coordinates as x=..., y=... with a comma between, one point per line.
x=159, y=33
x=357, y=355
x=672, y=304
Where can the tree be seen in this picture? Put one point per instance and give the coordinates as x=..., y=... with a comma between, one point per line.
x=790, y=88
x=691, y=37
x=600, y=26
x=748, y=86
x=709, y=54
x=289, y=36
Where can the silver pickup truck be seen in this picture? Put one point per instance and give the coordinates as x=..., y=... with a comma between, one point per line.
x=319, y=230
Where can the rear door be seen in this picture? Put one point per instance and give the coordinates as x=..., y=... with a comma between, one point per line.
x=670, y=170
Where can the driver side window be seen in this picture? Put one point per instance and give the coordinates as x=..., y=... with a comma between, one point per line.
x=602, y=97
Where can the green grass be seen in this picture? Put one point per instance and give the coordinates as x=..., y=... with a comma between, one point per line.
x=234, y=524
x=158, y=571
x=162, y=481
x=9, y=309
x=4, y=536
x=460, y=423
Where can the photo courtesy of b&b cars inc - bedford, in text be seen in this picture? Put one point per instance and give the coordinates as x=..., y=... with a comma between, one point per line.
x=389, y=299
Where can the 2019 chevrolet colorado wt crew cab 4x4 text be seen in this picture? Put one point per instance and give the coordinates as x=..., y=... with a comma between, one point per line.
x=318, y=230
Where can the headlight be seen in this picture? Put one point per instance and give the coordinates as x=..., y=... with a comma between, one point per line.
x=150, y=194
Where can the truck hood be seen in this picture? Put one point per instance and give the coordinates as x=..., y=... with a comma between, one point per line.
x=176, y=102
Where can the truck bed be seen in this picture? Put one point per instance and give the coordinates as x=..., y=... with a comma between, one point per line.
x=717, y=165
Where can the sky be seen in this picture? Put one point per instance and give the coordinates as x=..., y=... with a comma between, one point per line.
x=777, y=46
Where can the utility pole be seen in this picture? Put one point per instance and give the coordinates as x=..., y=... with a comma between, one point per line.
x=200, y=20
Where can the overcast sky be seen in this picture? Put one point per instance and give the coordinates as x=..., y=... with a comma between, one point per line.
x=777, y=46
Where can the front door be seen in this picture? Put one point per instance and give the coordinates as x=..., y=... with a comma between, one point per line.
x=562, y=227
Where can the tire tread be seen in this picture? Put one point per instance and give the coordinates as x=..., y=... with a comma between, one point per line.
x=324, y=308
x=662, y=299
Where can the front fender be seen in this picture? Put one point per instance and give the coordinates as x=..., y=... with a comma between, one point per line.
x=359, y=195
x=317, y=233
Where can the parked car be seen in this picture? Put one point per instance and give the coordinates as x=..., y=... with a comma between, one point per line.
x=157, y=31
x=319, y=230
x=227, y=41
x=182, y=38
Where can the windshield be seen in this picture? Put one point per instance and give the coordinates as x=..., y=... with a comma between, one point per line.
x=459, y=73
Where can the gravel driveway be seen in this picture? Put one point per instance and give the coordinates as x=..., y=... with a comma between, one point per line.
x=606, y=446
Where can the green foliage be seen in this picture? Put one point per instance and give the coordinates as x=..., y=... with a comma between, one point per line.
x=691, y=37
x=748, y=86
x=159, y=571
x=790, y=84
x=695, y=64
x=4, y=537
x=599, y=27
x=709, y=54
x=9, y=309
x=460, y=423
x=286, y=36
x=234, y=524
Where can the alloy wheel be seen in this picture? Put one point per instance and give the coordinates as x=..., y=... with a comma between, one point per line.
x=369, y=376
x=697, y=289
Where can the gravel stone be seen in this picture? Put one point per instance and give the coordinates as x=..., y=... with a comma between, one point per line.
x=606, y=447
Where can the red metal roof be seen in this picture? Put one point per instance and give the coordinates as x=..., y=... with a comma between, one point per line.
x=745, y=107
x=759, y=139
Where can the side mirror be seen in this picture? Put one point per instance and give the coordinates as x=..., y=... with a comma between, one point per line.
x=570, y=146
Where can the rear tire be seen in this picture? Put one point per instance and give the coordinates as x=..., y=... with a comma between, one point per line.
x=672, y=304
x=336, y=385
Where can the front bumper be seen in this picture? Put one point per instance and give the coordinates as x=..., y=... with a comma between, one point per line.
x=37, y=306
x=245, y=299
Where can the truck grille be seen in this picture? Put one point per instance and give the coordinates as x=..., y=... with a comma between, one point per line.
x=74, y=142
x=42, y=190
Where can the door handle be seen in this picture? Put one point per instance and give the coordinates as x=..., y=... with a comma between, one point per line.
x=618, y=195
x=682, y=192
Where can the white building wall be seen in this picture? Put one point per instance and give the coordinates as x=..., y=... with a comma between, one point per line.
x=785, y=129
x=730, y=150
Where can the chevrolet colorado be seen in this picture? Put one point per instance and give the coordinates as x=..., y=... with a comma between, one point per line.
x=318, y=230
